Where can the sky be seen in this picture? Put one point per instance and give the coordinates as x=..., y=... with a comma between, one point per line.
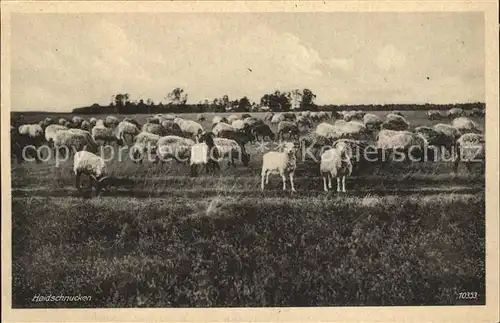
x=63, y=61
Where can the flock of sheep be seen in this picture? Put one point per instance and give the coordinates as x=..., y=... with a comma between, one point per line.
x=169, y=137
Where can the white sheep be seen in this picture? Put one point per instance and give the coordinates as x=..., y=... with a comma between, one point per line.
x=112, y=121
x=175, y=147
x=372, y=121
x=126, y=131
x=220, y=127
x=465, y=125
x=335, y=163
x=395, y=122
x=229, y=149
x=154, y=128
x=85, y=125
x=283, y=163
x=87, y=163
x=470, y=148
x=448, y=130
x=76, y=139
x=51, y=131
x=144, y=142
x=102, y=133
x=200, y=117
x=455, y=112
x=190, y=128
x=232, y=118
x=238, y=124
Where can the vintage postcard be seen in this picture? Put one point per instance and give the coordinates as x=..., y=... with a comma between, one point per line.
x=250, y=161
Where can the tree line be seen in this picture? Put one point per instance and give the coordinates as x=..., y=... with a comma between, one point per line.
x=176, y=101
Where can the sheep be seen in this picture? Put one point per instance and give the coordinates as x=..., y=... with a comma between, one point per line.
x=85, y=125
x=352, y=129
x=268, y=116
x=470, y=148
x=77, y=121
x=77, y=139
x=204, y=153
x=403, y=142
x=232, y=118
x=245, y=115
x=335, y=115
x=126, y=131
x=288, y=127
x=31, y=130
x=283, y=163
x=465, y=125
x=102, y=133
x=87, y=163
x=335, y=163
x=239, y=124
x=252, y=122
x=313, y=142
x=303, y=121
x=133, y=121
x=448, y=130
x=51, y=131
x=323, y=115
x=200, y=117
x=327, y=130
x=277, y=118
x=171, y=128
x=455, y=112
x=433, y=114
x=217, y=119
x=222, y=127
x=62, y=122
x=398, y=113
x=314, y=116
x=111, y=121
x=175, y=147
x=230, y=149
x=262, y=130
x=145, y=142
x=372, y=121
x=93, y=121
x=154, y=128
x=190, y=128
x=241, y=137
x=31, y=135
x=395, y=122
x=477, y=112
x=154, y=120
x=436, y=138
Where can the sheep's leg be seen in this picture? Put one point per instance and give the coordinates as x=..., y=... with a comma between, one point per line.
x=267, y=177
x=329, y=180
x=262, y=175
x=324, y=184
x=343, y=184
x=77, y=181
x=291, y=181
x=283, y=177
x=338, y=184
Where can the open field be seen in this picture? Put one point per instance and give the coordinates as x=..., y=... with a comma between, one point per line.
x=403, y=234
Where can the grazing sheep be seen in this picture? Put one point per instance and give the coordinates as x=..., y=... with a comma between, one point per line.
x=62, y=122
x=395, y=122
x=217, y=119
x=239, y=124
x=200, y=117
x=335, y=163
x=174, y=147
x=252, y=122
x=102, y=133
x=74, y=139
x=156, y=129
x=31, y=130
x=436, y=138
x=433, y=114
x=222, y=127
x=268, y=116
x=304, y=122
x=87, y=163
x=171, y=127
x=111, y=122
x=51, y=131
x=455, y=112
x=327, y=130
x=282, y=163
x=241, y=137
x=410, y=145
x=144, y=143
x=448, y=130
x=85, y=125
x=77, y=121
x=230, y=149
x=465, y=125
x=232, y=118
x=190, y=128
x=126, y=131
x=31, y=135
x=288, y=127
x=372, y=122
x=470, y=149
x=262, y=130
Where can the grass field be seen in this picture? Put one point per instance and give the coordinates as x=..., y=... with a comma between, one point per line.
x=408, y=234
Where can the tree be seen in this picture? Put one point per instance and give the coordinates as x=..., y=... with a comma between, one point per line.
x=296, y=98
x=244, y=105
x=277, y=101
x=177, y=97
x=121, y=100
x=307, y=100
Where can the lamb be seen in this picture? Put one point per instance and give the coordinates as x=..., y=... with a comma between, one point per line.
x=93, y=166
x=252, y=122
x=133, y=121
x=262, y=130
x=283, y=163
x=465, y=125
x=322, y=115
x=470, y=148
x=335, y=163
x=175, y=147
x=126, y=131
x=288, y=127
x=327, y=130
x=395, y=122
x=51, y=131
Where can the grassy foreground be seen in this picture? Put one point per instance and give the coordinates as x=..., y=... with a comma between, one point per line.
x=236, y=251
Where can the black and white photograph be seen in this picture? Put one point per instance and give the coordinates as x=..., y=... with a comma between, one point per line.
x=252, y=159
